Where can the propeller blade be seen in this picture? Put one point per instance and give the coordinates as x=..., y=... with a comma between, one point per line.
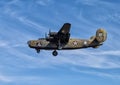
x=49, y=31
x=45, y=35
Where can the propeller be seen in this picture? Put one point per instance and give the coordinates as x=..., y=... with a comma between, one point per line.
x=49, y=32
x=46, y=35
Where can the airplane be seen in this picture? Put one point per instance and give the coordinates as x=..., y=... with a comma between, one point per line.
x=61, y=40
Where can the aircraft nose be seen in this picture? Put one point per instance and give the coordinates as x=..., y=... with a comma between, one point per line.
x=28, y=42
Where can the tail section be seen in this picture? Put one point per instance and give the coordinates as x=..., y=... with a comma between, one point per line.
x=101, y=36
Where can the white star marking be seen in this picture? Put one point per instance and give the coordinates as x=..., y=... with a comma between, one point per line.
x=75, y=43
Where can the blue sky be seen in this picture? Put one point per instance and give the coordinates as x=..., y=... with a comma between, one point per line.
x=23, y=20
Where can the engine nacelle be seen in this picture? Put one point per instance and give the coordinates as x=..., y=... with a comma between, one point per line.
x=52, y=34
x=49, y=38
x=101, y=35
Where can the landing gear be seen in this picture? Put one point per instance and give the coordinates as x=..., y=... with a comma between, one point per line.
x=55, y=53
x=38, y=50
x=59, y=45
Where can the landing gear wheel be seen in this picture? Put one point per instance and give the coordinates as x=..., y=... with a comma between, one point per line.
x=38, y=50
x=55, y=53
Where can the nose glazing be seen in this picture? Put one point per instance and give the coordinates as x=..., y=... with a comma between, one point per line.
x=28, y=42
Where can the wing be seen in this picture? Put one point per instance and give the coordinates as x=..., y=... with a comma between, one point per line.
x=64, y=33
x=65, y=29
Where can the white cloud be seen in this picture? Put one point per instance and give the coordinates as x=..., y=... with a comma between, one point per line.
x=110, y=52
x=12, y=2
x=87, y=2
x=5, y=79
x=97, y=73
x=3, y=43
x=44, y=2
x=25, y=79
x=91, y=59
x=95, y=3
x=32, y=24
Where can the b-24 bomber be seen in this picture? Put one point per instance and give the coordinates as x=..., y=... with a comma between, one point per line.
x=61, y=41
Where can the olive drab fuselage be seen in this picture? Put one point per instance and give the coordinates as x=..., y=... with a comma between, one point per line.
x=72, y=44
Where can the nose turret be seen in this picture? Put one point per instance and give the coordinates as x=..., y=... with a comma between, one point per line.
x=29, y=42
